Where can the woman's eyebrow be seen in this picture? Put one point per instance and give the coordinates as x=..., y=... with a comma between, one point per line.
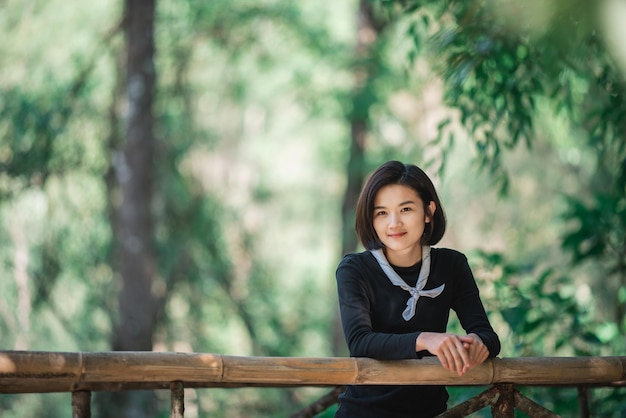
x=407, y=202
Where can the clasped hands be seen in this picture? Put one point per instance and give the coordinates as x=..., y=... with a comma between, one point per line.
x=457, y=353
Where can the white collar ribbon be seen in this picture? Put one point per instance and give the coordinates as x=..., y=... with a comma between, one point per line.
x=416, y=291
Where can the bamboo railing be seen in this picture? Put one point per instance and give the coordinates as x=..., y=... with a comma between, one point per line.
x=81, y=373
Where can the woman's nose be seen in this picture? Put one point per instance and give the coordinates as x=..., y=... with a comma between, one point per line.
x=394, y=220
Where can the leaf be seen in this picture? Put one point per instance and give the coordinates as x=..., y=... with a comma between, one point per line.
x=514, y=317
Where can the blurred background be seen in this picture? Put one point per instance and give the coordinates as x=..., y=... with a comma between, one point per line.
x=181, y=176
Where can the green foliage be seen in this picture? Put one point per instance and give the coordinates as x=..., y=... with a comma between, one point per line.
x=495, y=72
x=546, y=311
x=498, y=62
x=30, y=126
x=253, y=107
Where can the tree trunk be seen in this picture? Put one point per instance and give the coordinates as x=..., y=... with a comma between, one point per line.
x=133, y=224
x=364, y=68
x=134, y=171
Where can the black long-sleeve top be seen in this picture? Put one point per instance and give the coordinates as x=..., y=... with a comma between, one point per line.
x=371, y=313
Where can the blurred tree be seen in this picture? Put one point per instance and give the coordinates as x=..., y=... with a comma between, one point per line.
x=366, y=68
x=134, y=171
x=133, y=201
x=376, y=77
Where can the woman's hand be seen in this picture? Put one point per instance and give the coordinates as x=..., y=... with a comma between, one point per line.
x=477, y=350
x=455, y=353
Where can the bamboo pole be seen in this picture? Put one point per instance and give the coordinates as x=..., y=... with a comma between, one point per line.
x=531, y=408
x=474, y=404
x=177, y=409
x=37, y=372
x=321, y=405
x=559, y=370
x=504, y=406
x=81, y=404
x=583, y=402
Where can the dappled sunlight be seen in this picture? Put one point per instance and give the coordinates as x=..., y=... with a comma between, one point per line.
x=613, y=16
x=6, y=364
x=210, y=360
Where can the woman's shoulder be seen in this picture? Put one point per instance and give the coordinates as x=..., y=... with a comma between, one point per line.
x=358, y=269
x=360, y=264
x=356, y=259
x=447, y=254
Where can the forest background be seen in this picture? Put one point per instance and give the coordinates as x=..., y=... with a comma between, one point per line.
x=181, y=176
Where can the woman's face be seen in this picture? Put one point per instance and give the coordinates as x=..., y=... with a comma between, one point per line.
x=399, y=221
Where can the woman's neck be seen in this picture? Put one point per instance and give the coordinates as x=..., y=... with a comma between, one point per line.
x=405, y=258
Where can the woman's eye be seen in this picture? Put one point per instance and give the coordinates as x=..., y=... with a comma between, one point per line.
x=380, y=213
x=406, y=209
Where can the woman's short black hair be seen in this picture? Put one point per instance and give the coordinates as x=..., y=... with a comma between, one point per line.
x=395, y=172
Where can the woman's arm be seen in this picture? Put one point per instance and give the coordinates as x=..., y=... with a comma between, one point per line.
x=471, y=312
x=459, y=353
x=355, y=293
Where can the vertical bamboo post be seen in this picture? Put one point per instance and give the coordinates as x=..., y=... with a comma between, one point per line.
x=583, y=401
x=505, y=405
x=81, y=404
x=178, y=400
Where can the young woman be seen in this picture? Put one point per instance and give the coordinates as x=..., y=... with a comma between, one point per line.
x=395, y=298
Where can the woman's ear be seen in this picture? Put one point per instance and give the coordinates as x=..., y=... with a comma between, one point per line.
x=432, y=207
